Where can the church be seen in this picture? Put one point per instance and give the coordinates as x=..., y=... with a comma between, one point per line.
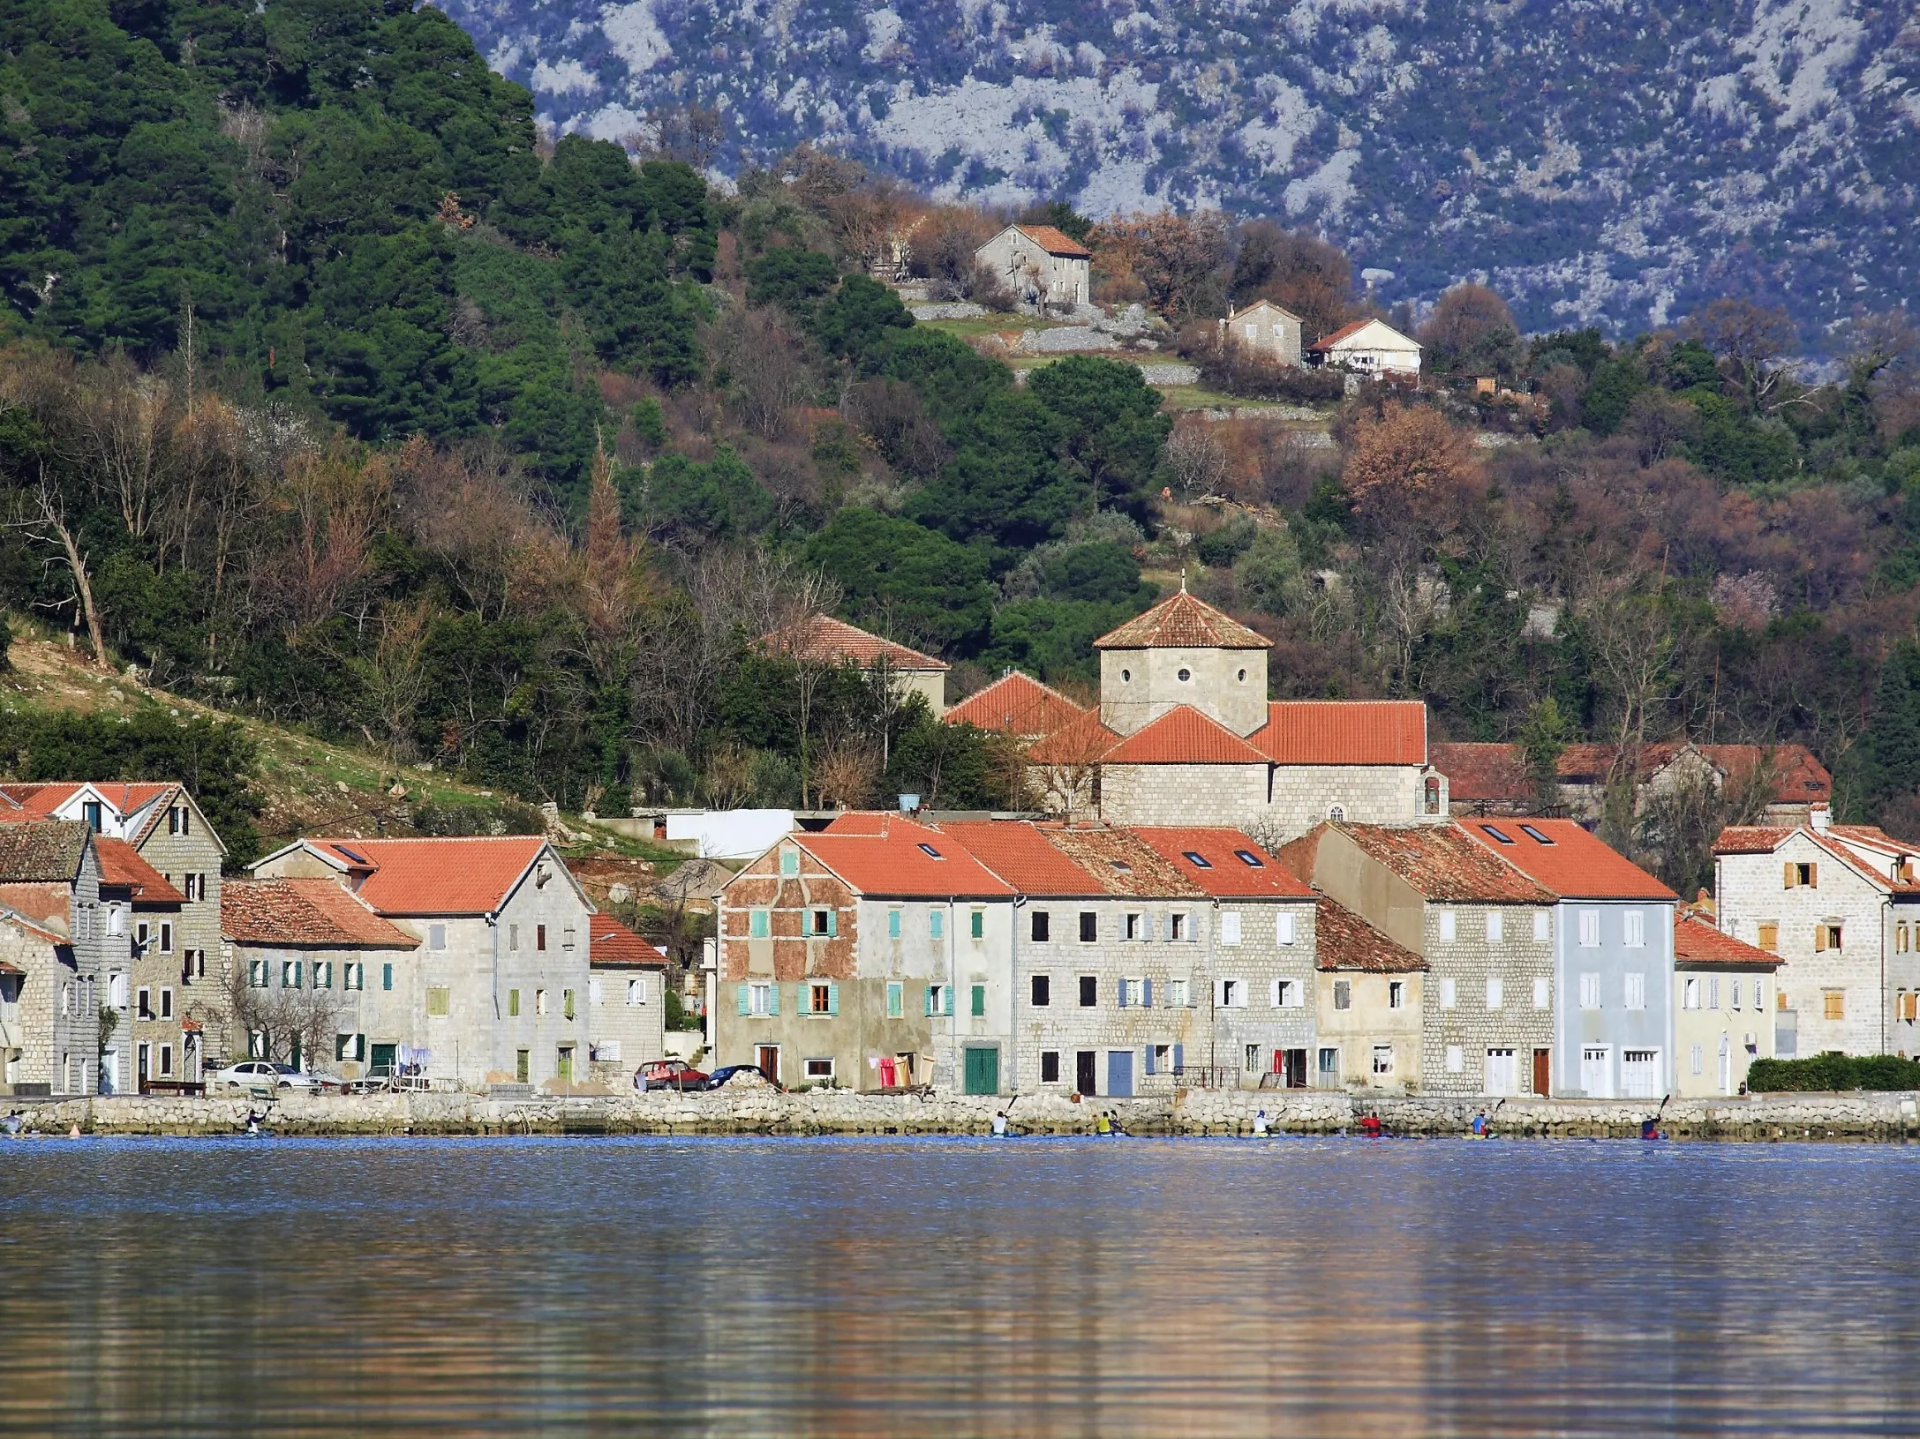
x=1184, y=734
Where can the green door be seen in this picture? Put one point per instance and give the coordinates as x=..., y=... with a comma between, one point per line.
x=983, y=1071
x=383, y=1057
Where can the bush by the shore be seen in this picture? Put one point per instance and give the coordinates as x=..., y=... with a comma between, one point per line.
x=1834, y=1071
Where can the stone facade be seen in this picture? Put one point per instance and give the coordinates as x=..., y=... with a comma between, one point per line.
x=1489, y=1001
x=1175, y=794
x=1302, y=795
x=1034, y=274
x=626, y=1015
x=1137, y=686
x=36, y=967
x=184, y=848
x=99, y=943
x=1265, y=330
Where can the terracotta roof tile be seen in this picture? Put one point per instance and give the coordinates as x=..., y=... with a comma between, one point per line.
x=1799, y=777
x=1183, y=622
x=1343, y=940
x=1565, y=858
x=436, y=876
x=1752, y=838
x=38, y=931
x=1257, y=304
x=1023, y=855
x=894, y=862
x=1443, y=863
x=1481, y=773
x=1122, y=863
x=122, y=866
x=1183, y=735
x=302, y=914
x=1016, y=704
x=821, y=639
x=1344, y=332
x=1344, y=732
x=1697, y=942
x=124, y=795
x=46, y=851
x=1225, y=874
x=1082, y=741
x=612, y=943
x=1055, y=242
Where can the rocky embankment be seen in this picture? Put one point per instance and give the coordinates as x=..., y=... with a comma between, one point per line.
x=761, y=1110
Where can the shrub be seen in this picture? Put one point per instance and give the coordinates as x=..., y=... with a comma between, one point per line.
x=462, y=821
x=1232, y=371
x=1834, y=1071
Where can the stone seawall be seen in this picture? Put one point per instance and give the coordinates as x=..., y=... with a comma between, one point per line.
x=1856, y=1116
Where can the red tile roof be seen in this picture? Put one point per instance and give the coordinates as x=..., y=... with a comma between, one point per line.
x=1697, y=942
x=821, y=639
x=1480, y=773
x=1016, y=704
x=1568, y=860
x=1024, y=856
x=1122, y=863
x=1326, y=341
x=436, y=876
x=1055, y=242
x=1082, y=741
x=1343, y=940
x=1799, y=778
x=1183, y=622
x=613, y=943
x=893, y=862
x=1752, y=838
x=38, y=931
x=122, y=867
x=302, y=914
x=43, y=799
x=1443, y=863
x=1183, y=735
x=1344, y=732
x=1225, y=874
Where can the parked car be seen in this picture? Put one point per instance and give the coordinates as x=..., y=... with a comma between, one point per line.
x=669, y=1074
x=733, y=1071
x=263, y=1074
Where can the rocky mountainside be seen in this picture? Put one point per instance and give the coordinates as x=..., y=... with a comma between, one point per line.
x=1598, y=160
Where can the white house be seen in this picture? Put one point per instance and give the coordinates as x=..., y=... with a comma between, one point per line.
x=1370, y=347
x=1266, y=330
x=1041, y=265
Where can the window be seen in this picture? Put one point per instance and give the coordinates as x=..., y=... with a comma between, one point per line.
x=1284, y=926
x=819, y=998
x=1329, y=1067
x=939, y=999
x=1534, y=834
x=1802, y=876
x=437, y=937
x=166, y=1004
x=522, y=1065
x=1447, y=926
x=90, y=812
x=353, y=975
x=937, y=924
x=1758, y=1001
x=1636, y=991
x=1542, y=992
x=86, y=921
x=1285, y=994
x=1249, y=859
x=1690, y=992
x=1634, y=929
x=1039, y=929
x=386, y=976
x=290, y=974
x=893, y=924
x=1383, y=1059
x=1433, y=796
x=1733, y=988
x=1542, y=927
x=439, y=1001
x=1826, y=936
x=323, y=974
x=1589, y=928
x=566, y=1003
x=1698, y=1058
x=1396, y=994
x=1042, y=991
x=1197, y=859
x=116, y=921
x=1497, y=833
x=1230, y=928
x=1089, y=926
x=1590, y=990
x=1130, y=927
x=513, y=1004
x=1233, y=994
x=1177, y=928
x=1184, y=675
x=977, y=924
x=140, y=936
x=1129, y=994
x=1496, y=992
x=1448, y=995
x=1833, y=1004
x=1337, y=813
x=349, y=1046
x=1177, y=993
x=818, y=921
x=539, y=1001
x=1496, y=926
x=1456, y=1059
x=789, y=862
x=819, y=1069
x=1159, y=1058
x=896, y=999
x=761, y=999
x=977, y=1001
x=566, y=937
x=1343, y=994
x=1713, y=991
x=1050, y=1066
x=931, y=852
x=759, y=923
x=166, y=1059
x=144, y=1008
x=1251, y=1058
x=1769, y=936
x=1089, y=991
x=539, y=938
x=1900, y=938
x=174, y=816
x=256, y=974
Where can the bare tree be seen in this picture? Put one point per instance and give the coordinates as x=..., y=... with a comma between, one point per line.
x=41, y=514
x=1198, y=459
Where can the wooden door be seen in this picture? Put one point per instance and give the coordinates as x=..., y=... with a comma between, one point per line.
x=1543, y=1071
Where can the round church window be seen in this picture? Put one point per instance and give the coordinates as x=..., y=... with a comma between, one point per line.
x=1243, y=676
x=1185, y=675
x=1126, y=677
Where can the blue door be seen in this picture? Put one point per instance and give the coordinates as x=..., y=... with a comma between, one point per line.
x=1120, y=1073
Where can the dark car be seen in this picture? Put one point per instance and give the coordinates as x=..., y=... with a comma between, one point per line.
x=669, y=1074
x=730, y=1071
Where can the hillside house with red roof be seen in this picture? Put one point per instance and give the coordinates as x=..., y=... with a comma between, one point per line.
x=1784, y=781
x=1040, y=265
x=493, y=989
x=1840, y=905
x=1370, y=347
x=1723, y=1005
x=826, y=641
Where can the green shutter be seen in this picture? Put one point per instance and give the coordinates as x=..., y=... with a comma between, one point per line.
x=833, y=999
x=773, y=999
x=386, y=976
x=929, y=1001
x=893, y=924
x=947, y=997
x=746, y=999
x=833, y=922
x=937, y=923
x=979, y=1000
x=979, y=924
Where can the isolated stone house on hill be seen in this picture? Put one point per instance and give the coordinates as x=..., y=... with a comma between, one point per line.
x=1264, y=330
x=1040, y=265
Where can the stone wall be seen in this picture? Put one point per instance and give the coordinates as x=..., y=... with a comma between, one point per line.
x=1206, y=794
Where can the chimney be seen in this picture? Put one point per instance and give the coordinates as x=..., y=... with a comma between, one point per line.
x=1820, y=816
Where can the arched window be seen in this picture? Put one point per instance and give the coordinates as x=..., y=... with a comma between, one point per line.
x=1336, y=812
x=1433, y=794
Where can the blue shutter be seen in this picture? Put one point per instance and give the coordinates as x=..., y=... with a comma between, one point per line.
x=386, y=976
x=746, y=999
x=773, y=999
x=833, y=922
x=833, y=999
x=1146, y=998
x=1150, y=1068
x=1120, y=985
x=1179, y=1058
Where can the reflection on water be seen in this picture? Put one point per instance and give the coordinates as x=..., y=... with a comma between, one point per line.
x=955, y=1286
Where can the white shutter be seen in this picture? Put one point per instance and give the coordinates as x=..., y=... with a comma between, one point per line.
x=1496, y=926
x=1230, y=928
x=1496, y=992
x=1219, y=994
x=1283, y=926
x=1277, y=993
x=1447, y=929
x=1542, y=993
x=1447, y=992
x=1541, y=932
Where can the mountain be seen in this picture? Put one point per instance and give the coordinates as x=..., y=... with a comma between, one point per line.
x=1613, y=163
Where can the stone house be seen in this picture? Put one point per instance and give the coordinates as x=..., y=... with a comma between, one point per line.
x=155, y=1041
x=167, y=829
x=1368, y=1000
x=310, y=954
x=1484, y=929
x=1264, y=330
x=1840, y=905
x=1370, y=347
x=50, y=879
x=626, y=998
x=1492, y=779
x=37, y=967
x=1039, y=265
x=875, y=954
x=495, y=991
x=1612, y=933
x=823, y=640
x=1723, y=1006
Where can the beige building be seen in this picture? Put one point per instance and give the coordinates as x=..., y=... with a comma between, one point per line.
x=1723, y=1002
x=1264, y=330
x=626, y=999
x=1369, y=347
x=823, y=640
x=1368, y=1002
x=1040, y=265
x=1840, y=905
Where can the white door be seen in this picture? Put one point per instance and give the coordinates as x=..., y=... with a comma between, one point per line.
x=109, y=1071
x=1639, y=1073
x=1726, y=1064
x=1596, y=1071
x=1500, y=1072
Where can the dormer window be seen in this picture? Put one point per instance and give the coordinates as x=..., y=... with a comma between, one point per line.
x=1120, y=866
x=90, y=812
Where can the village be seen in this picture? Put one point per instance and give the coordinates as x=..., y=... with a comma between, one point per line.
x=1212, y=891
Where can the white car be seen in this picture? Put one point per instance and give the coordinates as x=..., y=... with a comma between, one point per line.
x=263, y=1074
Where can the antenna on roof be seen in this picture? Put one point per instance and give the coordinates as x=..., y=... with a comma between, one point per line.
x=1183, y=579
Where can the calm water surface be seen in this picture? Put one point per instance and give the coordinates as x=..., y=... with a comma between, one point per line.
x=914, y=1287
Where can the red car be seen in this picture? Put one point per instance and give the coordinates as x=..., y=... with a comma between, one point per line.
x=668, y=1074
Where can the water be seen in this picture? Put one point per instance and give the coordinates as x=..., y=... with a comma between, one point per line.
x=912, y=1287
